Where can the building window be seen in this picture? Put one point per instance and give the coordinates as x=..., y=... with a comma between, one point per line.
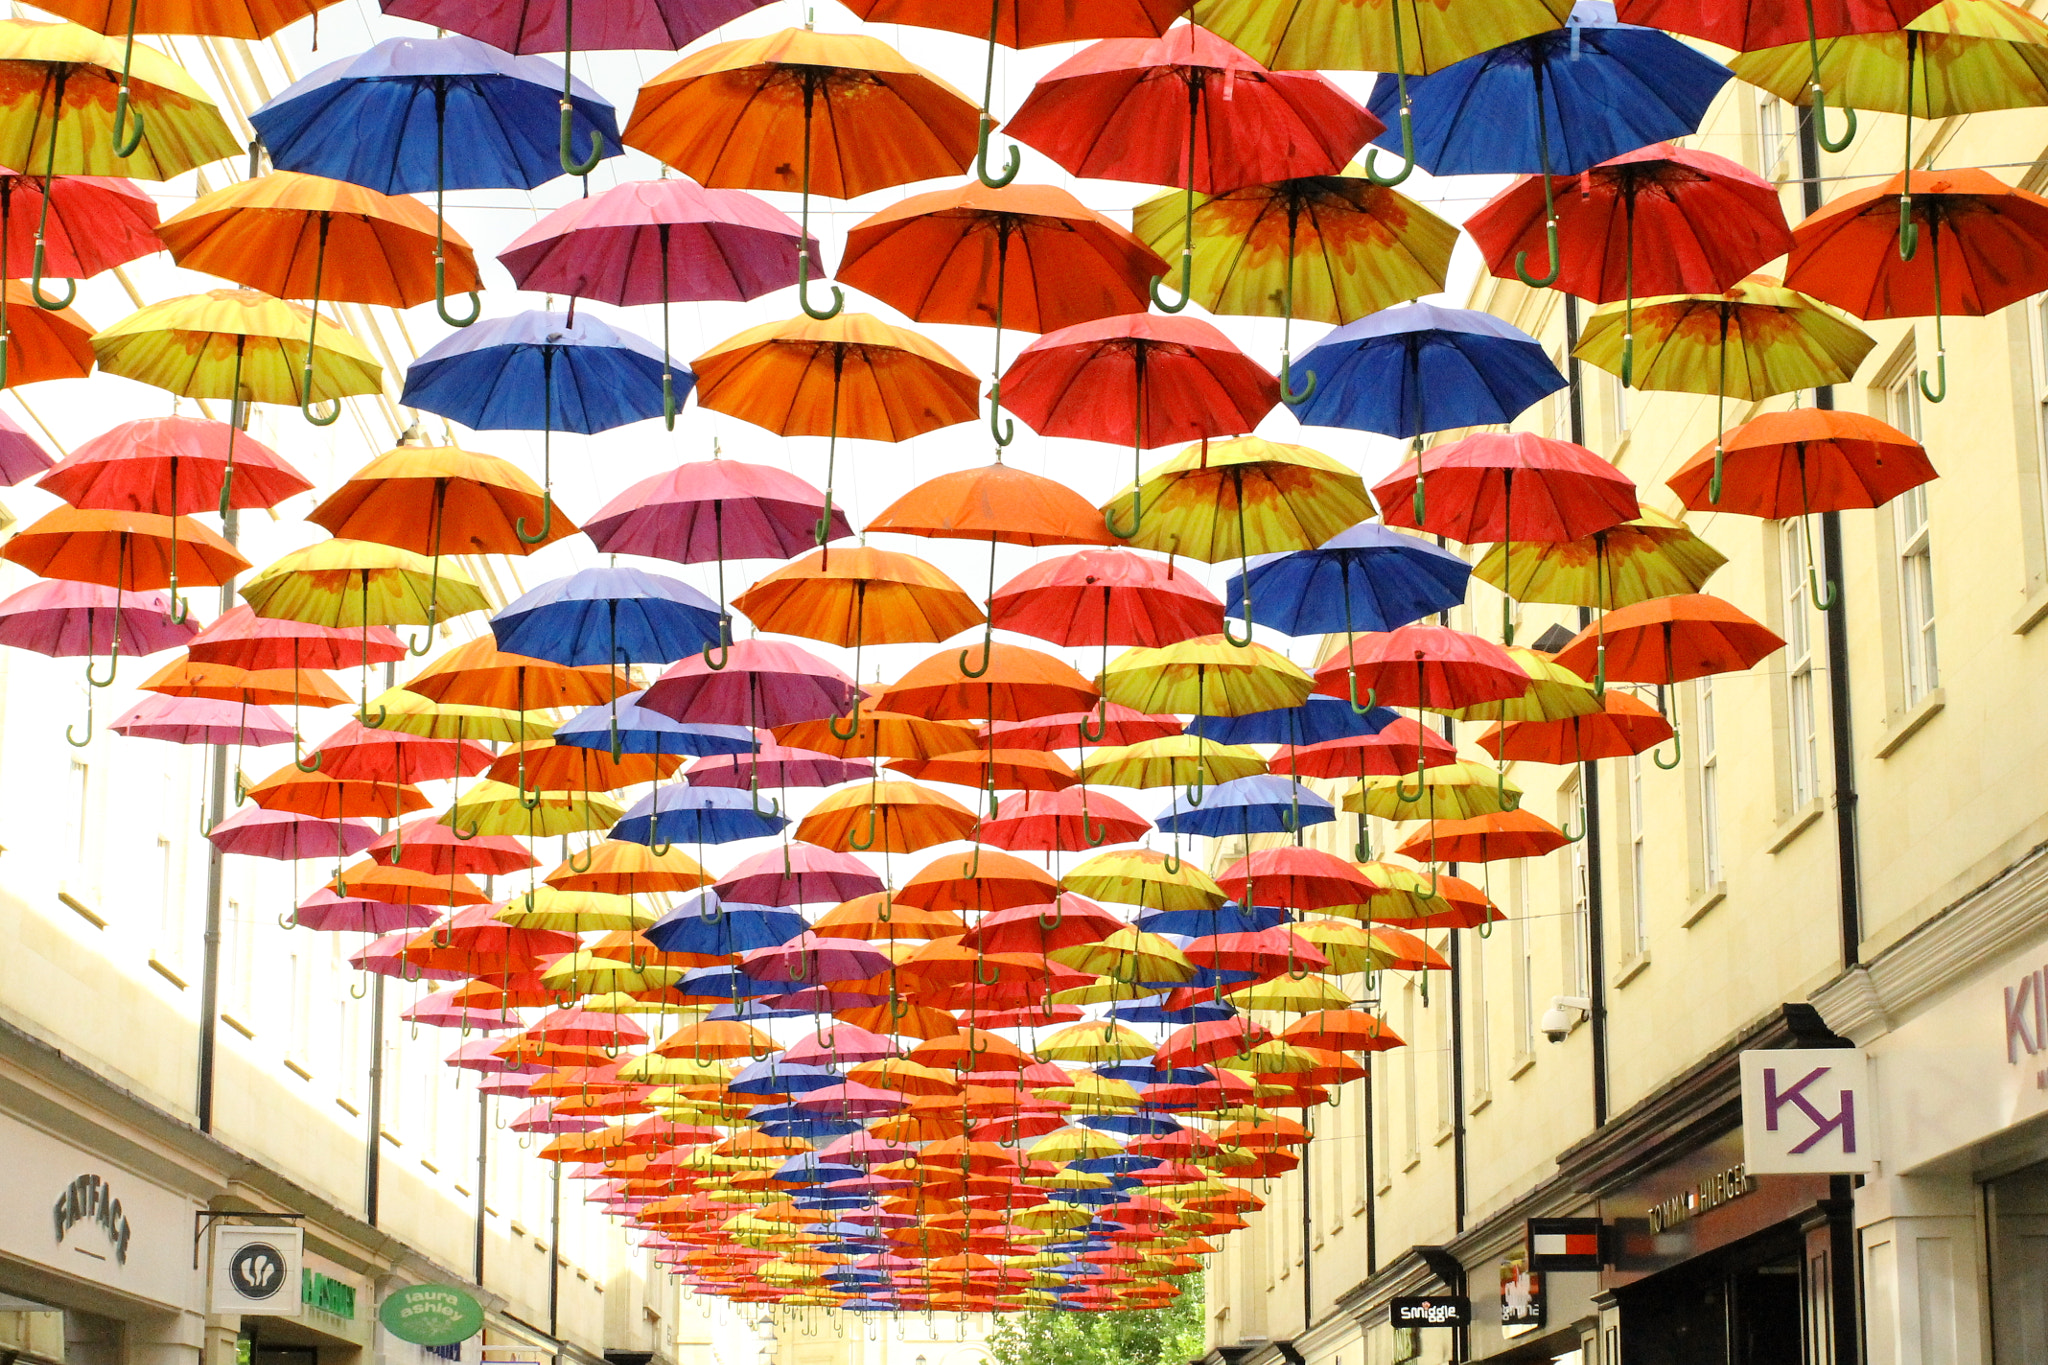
x=1525, y=969
x=1903, y=398
x=1706, y=747
x=1446, y=1088
x=1801, y=716
x=1617, y=409
x=1579, y=893
x=1382, y=1101
x=1479, y=1049
x=1412, y=1146
x=1770, y=134
x=1638, y=860
x=1920, y=662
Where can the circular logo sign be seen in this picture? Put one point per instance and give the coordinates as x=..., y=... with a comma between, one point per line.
x=257, y=1271
x=431, y=1315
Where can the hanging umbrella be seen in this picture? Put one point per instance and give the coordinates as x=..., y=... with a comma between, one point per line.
x=641, y=731
x=1791, y=464
x=288, y=837
x=587, y=376
x=947, y=257
x=1138, y=380
x=852, y=374
x=1622, y=727
x=1592, y=90
x=1265, y=804
x=199, y=720
x=1007, y=505
x=365, y=119
x=1114, y=111
x=1357, y=247
x=695, y=815
x=241, y=345
x=306, y=237
x=1990, y=236
x=41, y=344
x=1703, y=222
x=1650, y=556
x=102, y=222
x=866, y=119
x=1170, y=762
x=660, y=241
x=1431, y=668
x=505, y=809
x=1206, y=677
x=20, y=456
x=239, y=636
x=1366, y=578
x=247, y=686
x=137, y=466
x=608, y=616
x=763, y=684
x=1449, y=791
x=66, y=619
x=1069, y=821
x=427, y=845
x=812, y=876
x=1751, y=341
x=881, y=734
x=1419, y=368
x=775, y=765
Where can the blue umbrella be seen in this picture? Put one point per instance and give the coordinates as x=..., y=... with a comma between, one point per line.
x=1422, y=367
x=706, y=925
x=535, y=371
x=1315, y=721
x=1555, y=103
x=696, y=815
x=1370, y=577
x=384, y=119
x=1228, y=918
x=766, y=1077
x=642, y=731
x=1264, y=803
x=1152, y=1009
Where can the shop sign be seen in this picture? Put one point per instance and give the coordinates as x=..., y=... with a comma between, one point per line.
x=90, y=1199
x=327, y=1294
x=1563, y=1244
x=1807, y=1111
x=254, y=1268
x=1430, y=1310
x=1521, y=1297
x=431, y=1315
x=1711, y=1192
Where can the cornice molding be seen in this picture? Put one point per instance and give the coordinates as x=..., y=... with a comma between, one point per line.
x=1988, y=923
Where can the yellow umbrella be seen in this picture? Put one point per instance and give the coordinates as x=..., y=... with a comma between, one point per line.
x=1205, y=677
x=498, y=808
x=1653, y=556
x=1554, y=693
x=1129, y=956
x=1170, y=761
x=576, y=912
x=1452, y=791
x=584, y=973
x=412, y=714
x=1142, y=877
x=1348, y=947
x=1091, y=1043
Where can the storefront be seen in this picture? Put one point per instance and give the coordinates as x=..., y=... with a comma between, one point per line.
x=95, y=1258
x=334, y=1326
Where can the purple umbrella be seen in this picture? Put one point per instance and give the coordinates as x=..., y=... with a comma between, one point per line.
x=773, y=765
x=287, y=836
x=67, y=620
x=327, y=911
x=802, y=874
x=659, y=241
x=845, y=1045
x=525, y=26
x=442, y=1010
x=823, y=1000
x=541, y=1118
x=386, y=957
x=202, y=720
x=762, y=683
x=811, y=959
x=21, y=458
x=853, y=1100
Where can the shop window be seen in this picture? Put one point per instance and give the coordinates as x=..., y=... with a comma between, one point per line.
x=1618, y=416
x=1446, y=1087
x=1802, y=738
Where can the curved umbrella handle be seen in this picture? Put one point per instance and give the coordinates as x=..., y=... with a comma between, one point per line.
x=803, y=298
x=856, y=844
x=567, y=149
x=1094, y=733
x=1909, y=231
x=832, y=724
x=1677, y=752
x=420, y=647
x=181, y=610
x=1406, y=797
x=1096, y=834
x=306, y=410
x=822, y=532
x=113, y=667
x=1407, y=117
x=994, y=182
x=538, y=797
x=1566, y=828
x=987, y=650
x=476, y=303
x=1556, y=266
x=589, y=861
x=1934, y=395
x=1187, y=271
x=1372, y=694
x=1000, y=427
x=74, y=740
x=127, y=119
x=547, y=521
x=35, y=287
x=668, y=400
x=319, y=758
x=227, y=488
x=774, y=806
x=973, y=869
x=1137, y=516
x=661, y=848
x=1171, y=866
x=1820, y=123
x=1246, y=642
x=1288, y=394
x=1195, y=791
x=363, y=716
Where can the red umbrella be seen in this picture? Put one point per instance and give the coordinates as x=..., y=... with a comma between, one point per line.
x=774, y=765
x=1625, y=726
x=240, y=638
x=1067, y=920
x=1295, y=878
x=1704, y=222
x=1264, y=953
x=427, y=845
x=1076, y=729
x=1433, y=668
x=1197, y=1043
x=1107, y=597
x=475, y=942
x=1189, y=109
x=1384, y=754
x=92, y=223
x=1070, y=821
x=1567, y=493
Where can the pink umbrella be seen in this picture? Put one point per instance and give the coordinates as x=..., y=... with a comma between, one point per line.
x=525, y=26
x=845, y=1045
x=1118, y=725
x=507, y=1086
x=853, y=1100
x=427, y=845
x=824, y=1000
x=201, y=720
x=20, y=456
x=864, y=1149
x=386, y=957
x=286, y=836
x=714, y=510
x=812, y=959
x=68, y=620
x=442, y=1010
x=802, y=874
x=333, y=913
x=578, y=1026
x=761, y=683
x=659, y=241
x=541, y=1118
x=241, y=638
x=774, y=765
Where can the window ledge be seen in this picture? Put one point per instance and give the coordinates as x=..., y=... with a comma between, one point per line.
x=1903, y=726
x=1520, y=1066
x=1411, y=1161
x=1704, y=902
x=1444, y=1133
x=1631, y=969
x=1480, y=1101
x=2032, y=612
x=1795, y=824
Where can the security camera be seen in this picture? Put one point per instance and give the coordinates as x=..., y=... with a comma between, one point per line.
x=1564, y=1015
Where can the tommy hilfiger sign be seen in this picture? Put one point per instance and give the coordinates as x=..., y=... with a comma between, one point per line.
x=90, y=1199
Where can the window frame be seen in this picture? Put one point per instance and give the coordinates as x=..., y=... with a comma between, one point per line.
x=1802, y=701
x=1707, y=776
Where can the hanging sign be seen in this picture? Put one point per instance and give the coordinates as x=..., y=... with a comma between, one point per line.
x=1806, y=1111
x=431, y=1315
x=256, y=1271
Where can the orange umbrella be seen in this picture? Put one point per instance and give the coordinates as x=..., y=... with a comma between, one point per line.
x=1485, y=839
x=902, y=817
x=1624, y=726
x=480, y=674
x=571, y=768
x=399, y=885
x=249, y=686
x=880, y=733
x=993, y=770
x=40, y=343
x=1000, y=882
x=334, y=798
x=717, y=1040
x=827, y=376
x=827, y=113
x=130, y=551
x=1340, y=1031
x=1015, y=683
x=880, y=915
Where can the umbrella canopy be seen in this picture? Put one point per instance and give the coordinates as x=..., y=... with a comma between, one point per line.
x=288, y=836
x=1139, y=380
x=239, y=636
x=860, y=596
x=851, y=375
x=890, y=817
x=1421, y=367
x=763, y=684
x=1366, y=578
x=174, y=466
x=539, y=371
x=1650, y=556
x=55, y=345
x=342, y=583
x=709, y=509
x=435, y=500
x=238, y=344
x=1210, y=676
x=1114, y=596
x=1671, y=639
x=66, y=619
x=1624, y=726
x=126, y=550
x=1234, y=499
x=545, y=26
x=1786, y=464
x=199, y=720
x=608, y=616
x=62, y=116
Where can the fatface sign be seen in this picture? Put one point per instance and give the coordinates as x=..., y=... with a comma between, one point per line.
x=90, y=1200
x=1807, y=1111
x=256, y=1271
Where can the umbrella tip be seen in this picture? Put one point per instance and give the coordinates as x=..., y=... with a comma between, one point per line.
x=412, y=435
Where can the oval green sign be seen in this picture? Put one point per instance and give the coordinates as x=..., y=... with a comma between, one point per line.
x=431, y=1315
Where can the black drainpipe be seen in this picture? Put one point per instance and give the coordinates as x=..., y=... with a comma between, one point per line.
x=1589, y=785
x=1308, y=1298
x=1372, y=1189
x=216, y=872
x=1848, y=855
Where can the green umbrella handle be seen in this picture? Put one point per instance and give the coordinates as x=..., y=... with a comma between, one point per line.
x=1289, y=395
x=1407, y=115
x=476, y=305
x=1820, y=98
x=1935, y=395
x=304, y=767
x=1187, y=247
x=567, y=151
x=1677, y=752
x=832, y=722
x=861, y=846
x=1010, y=168
x=74, y=740
x=547, y=521
x=127, y=139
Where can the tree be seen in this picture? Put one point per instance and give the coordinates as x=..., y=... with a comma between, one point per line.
x=1150, y=1336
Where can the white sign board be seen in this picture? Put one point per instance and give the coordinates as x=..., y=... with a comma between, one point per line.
x=1807, y=1111
x=256, y=1271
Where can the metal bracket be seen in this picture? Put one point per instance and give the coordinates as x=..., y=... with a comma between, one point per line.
x=203, y=1219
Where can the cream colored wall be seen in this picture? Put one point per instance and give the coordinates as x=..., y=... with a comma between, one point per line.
x=1942, y=809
